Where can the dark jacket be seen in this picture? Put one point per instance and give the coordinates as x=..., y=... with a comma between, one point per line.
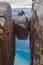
x=21, y=13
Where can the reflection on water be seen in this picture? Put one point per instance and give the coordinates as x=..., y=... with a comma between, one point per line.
x=23, y=55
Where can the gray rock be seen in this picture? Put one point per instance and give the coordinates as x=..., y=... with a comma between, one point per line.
x=21, y=27
x=7, y=44
x=36, y=33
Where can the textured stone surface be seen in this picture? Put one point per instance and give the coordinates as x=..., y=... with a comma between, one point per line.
x=7, y=45
x=36, y=32
x=21, y=27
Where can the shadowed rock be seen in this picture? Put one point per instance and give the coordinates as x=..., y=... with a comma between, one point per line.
x=7, y=44
x=36, y=32
x=21, y=27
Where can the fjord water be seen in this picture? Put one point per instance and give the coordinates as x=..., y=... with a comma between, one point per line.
x=23, y=55
x=22, y=58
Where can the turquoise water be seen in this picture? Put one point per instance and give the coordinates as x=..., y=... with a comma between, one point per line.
x=22, y=57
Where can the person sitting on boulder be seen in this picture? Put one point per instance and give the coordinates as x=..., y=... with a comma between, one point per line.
x=21, y=13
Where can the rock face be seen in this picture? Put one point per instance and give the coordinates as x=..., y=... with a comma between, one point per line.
x=21, y=27
x=7, y=44
x=36, y=33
